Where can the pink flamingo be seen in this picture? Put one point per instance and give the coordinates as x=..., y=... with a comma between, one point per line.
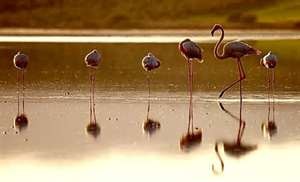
x=20, y=61
x=234, y=49
x=149, y=63
x=269, y=61
x=92, y=61
x=191, y=52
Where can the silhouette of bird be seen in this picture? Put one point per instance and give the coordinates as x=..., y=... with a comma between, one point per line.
x=149, y=63
x=20, y=61
x=191, y=52
x=269, y=61
x=233, y=49
x=92, y=61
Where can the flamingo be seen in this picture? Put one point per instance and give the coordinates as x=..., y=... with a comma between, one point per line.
x=232, y=148
x=149, y=63
x=234, y=49
x=20, y=61
x=191, y=52
x=269, y=61
x=92, y=60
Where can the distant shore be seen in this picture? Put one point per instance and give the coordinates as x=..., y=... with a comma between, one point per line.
x=138, y=32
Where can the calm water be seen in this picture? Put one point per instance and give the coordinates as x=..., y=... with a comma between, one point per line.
x=55, y=146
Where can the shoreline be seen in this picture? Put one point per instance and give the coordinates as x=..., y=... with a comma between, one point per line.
x=138, y=32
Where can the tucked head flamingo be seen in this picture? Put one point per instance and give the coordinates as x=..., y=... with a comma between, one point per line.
x=233, y=49
x=191, y=52
x=20, y=61
x=149, y=63
x=92, y=61
x=269, y=61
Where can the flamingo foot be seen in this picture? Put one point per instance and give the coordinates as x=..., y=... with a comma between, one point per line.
x=269, y=128
x=93, y=129
x=21, y=122
x=150, y=126
x=191, y=140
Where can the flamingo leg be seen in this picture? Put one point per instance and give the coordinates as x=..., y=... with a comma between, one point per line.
x=23, y=91
x=273, y=93
x=190, y=85
x=269, y=88
x=93, y=91
x=91, y=83
x=239, y=136
x=18, y=79
x=241, y=77
x=148, y=109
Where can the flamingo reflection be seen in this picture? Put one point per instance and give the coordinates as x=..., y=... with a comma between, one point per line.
x=20, y=61
x=234, y=148
x=269, y=61
x=191, y=52
x=92, y=61
x=149, y=63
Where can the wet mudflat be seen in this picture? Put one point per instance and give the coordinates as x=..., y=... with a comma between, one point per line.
x=56, y=147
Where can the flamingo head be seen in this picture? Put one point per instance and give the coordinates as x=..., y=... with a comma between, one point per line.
x=215, y=27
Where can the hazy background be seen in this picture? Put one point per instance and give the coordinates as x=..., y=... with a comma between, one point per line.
x=116, y=14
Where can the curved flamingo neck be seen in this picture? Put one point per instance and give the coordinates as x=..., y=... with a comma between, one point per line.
x=217, y=46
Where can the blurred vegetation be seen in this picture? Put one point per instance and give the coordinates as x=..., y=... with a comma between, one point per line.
x=117, y=14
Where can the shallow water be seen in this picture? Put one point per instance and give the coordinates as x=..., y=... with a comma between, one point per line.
x=56, y=147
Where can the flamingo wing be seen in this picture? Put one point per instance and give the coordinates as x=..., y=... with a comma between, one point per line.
x=192, y=50
x=238, y=49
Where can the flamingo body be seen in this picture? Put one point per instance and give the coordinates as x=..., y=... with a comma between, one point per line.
x=238, y=49
x=190, y=50
x=20, y=61
x=92, y=59
x=150, y=62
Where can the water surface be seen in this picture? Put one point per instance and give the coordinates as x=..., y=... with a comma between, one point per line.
x=56, y=147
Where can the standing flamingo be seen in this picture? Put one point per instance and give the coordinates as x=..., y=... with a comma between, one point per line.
x=269, y=61
x=20, y=61
x=92, y=61
x=149, y=63
x=191, y=52
x=234, y=49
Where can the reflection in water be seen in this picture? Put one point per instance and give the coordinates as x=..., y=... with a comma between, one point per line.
x=232, y=148
x=269, y=61
x=191, y=52
x=20, y=62
x=149, y=63
x=92, y=61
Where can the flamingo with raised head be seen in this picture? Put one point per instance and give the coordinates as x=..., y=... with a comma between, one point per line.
x=20, y=61
x=191, y=52
x=233, y=49
x=269, y=61
x=149, y=63
x=92, y=61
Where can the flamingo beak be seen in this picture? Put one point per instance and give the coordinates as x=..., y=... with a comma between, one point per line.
x=261, y=61
x=200, y=60
x=258, y=52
